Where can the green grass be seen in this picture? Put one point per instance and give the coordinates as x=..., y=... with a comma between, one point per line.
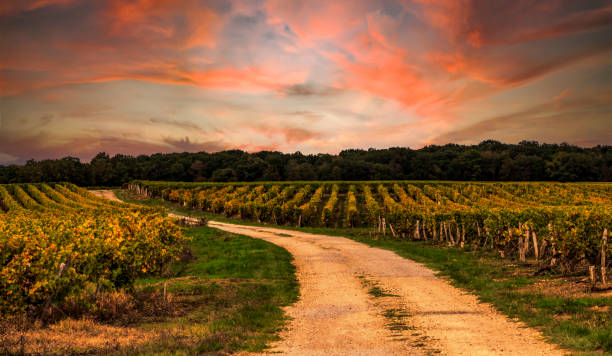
x=580, y=324
x=229, y=296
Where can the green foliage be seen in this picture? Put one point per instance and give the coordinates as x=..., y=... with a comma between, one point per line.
x=63, y=242
x=487, y=161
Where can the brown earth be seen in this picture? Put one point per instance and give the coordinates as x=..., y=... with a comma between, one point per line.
x=108, y=194
x=336, y=316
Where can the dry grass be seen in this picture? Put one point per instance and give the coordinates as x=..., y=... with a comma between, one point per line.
x=70, y=336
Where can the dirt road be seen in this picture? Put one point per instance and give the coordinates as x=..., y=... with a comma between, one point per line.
x=409, y=311
x=336, y=316
x=108, y=194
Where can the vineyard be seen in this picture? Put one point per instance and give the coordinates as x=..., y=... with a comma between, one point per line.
x=59, y=242
x=563, y=226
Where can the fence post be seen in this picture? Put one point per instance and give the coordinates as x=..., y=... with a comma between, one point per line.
x=535, y=245
x=604, y=249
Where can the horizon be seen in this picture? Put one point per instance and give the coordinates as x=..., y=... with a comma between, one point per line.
x=142, y=77
x=88, y=160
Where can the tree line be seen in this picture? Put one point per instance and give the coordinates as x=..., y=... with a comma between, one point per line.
x=487, y=161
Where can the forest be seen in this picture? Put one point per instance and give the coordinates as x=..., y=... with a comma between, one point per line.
x=487, y=161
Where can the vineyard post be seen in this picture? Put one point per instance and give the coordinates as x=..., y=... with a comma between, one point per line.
x=458, y=240
x=441, y=233
x=553, y=261
x=449, y=230
x=535, y=246
x=59, y=275
x=521, y=247
x=434, y=232
x=384, y=226
x=417, y=233
x=542, y=248
x=526, y=240
x=392, y=231
x=604, y=249
x=592, y=274
x=446, y=239
x=449, y=234
x=299, y=224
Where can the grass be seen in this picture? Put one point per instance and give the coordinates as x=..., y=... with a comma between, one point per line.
x=579, y=322
x=237, y=285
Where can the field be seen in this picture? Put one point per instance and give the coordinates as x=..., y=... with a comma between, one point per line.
x=563, y=225
x=74, y=265
x=82, y=274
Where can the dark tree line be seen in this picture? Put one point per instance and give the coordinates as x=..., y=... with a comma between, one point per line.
x=487, y=161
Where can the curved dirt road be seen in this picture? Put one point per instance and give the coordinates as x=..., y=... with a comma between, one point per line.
x=414, y=313
x=336, y=316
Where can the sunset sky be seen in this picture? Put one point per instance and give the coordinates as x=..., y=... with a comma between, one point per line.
x=147, y=76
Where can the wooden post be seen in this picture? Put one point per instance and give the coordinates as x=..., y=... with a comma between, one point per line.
x=536, y=252
x=442, y=238
x=417, y=233
x=446, y=238
x=592, y=274
x=604, y=250
x=458, y=235
x=553, y=260
x=450, y=233
x=392, y=231
x=384, y=226
x=300, y=220
x=62, y=267
x=542, y=248
x=165, y=290
x=526, y=241
x=521, y=245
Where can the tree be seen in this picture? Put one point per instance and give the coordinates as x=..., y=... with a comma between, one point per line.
x=224, y=175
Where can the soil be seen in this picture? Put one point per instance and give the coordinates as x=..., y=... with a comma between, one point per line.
x=337, y=316
x=108, y=194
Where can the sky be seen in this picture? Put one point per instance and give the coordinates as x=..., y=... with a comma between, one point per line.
x=78, y=77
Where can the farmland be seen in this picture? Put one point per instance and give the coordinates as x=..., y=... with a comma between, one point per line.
x=66, y=252
x=83, y=274
x=562, y=224
x=59, y=241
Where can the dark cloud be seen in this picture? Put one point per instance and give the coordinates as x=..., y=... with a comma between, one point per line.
x=185, y=145
x=308, y=89
x=584, y=122
x=183, y=124
x=21, y=147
